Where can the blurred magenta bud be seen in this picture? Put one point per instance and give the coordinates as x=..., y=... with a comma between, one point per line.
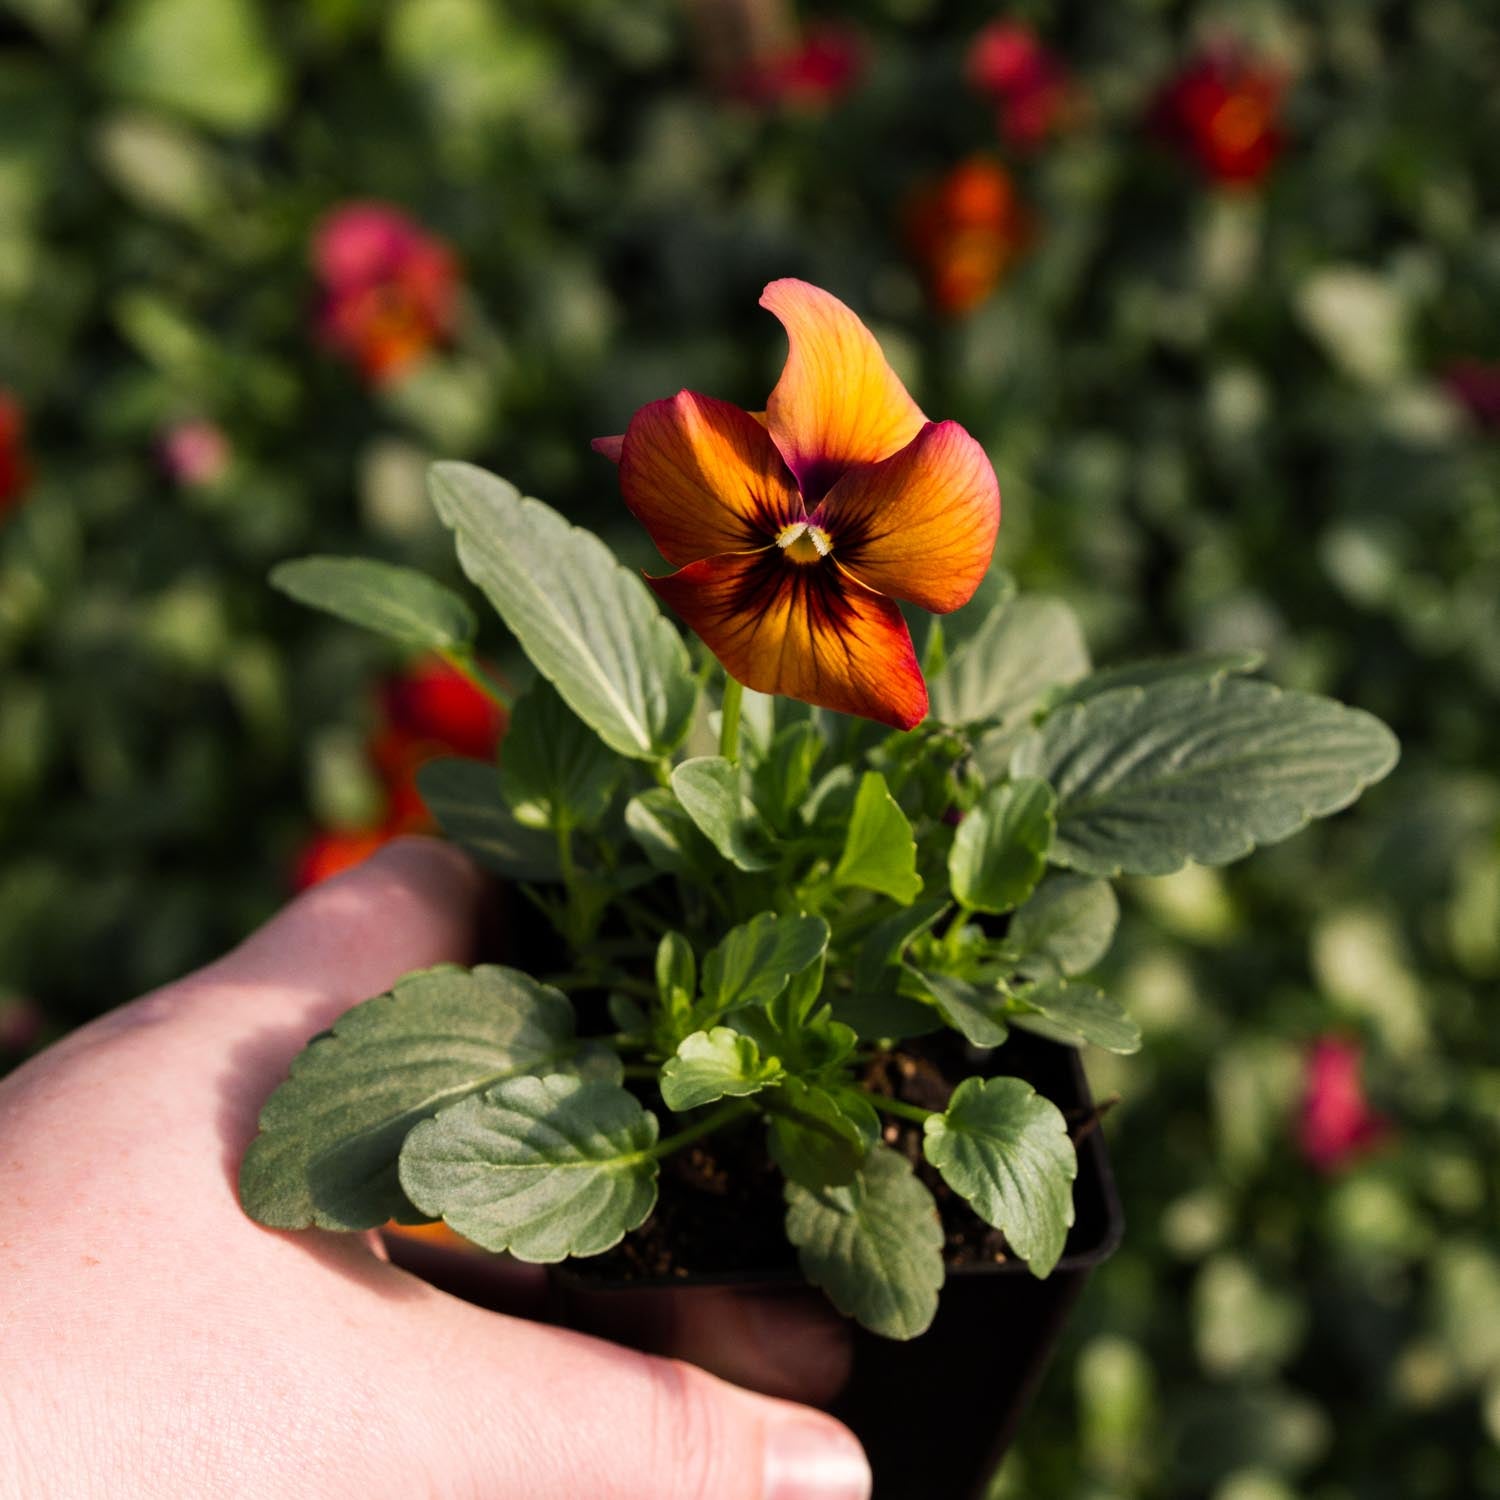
x=195, y=453
x=1336, y=1125
x=390, y=288
x=1022, y=78
x=1475, y=385
x=21, y=1024
x=15, y=466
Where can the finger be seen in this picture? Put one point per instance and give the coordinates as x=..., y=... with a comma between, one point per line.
x=790, y=1344
x=595, y=1419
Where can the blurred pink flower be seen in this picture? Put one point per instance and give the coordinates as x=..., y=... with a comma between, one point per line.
x=194, y=453
x=1475, y=385
x=826, y=61
x=15, y=466
x=1336, y=1125
x=390, y=289
x=1223, y=110
x=1023, y=79
x=21, y=1025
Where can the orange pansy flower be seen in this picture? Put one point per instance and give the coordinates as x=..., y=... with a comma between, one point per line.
x=795, y=531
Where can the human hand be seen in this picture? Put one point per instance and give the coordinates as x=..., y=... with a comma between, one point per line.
x=154, y=1341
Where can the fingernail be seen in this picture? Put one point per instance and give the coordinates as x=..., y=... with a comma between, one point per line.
x=815, y=1461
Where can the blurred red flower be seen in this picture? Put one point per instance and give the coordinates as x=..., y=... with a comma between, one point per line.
x=15, y=466
x=1223, y=110
x=1023, y=79
x=390, y=289
x=194, y=453
x=431, y=709
x=1475, y=385
x=965, y=230
x=1336, y=1125
x=825, y=62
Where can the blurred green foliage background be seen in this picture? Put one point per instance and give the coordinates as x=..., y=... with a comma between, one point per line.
x=1224, y=413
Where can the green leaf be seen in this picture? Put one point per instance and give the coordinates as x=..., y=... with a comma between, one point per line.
x=876, y=1008
x=330, y=1134
x=880, y=853
x=977, y=1013
x=1003, y=672
x=556, y=772
x=814, y=1137
x=399, y=603
x=1000, y=849
x=1006, y=1149
x=1065, y=928
x=211, y=60
x=676, y=973
x=875, y=1247
x=589, y=625
x=466, y=797
x=1068, y=1011
x=670, y=839
x=595, y=1061
x=542, y=1167
x=1148, y=778
x=1211, y=664
x=783, y=776
x=715, y=1064
x=713, y=795
x=756, y=959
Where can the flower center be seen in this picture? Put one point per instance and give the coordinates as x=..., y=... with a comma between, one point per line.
x=803, y=542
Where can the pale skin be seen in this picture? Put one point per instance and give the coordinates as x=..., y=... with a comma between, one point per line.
x=154, y=1342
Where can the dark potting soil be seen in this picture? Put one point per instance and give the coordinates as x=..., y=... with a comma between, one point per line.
x=720, y=1208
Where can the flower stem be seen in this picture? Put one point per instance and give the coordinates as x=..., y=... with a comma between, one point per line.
x=463, y=661
x=729, y=728
x=721, y=1116
x=900, y=1107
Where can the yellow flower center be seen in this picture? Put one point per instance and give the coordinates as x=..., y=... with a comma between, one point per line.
x=803, y=542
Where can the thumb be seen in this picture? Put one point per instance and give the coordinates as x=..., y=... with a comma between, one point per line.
x=550, y=1414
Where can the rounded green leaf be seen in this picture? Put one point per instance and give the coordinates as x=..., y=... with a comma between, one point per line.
x=1148, y=778
x=1006, y=1149
x=1065, y=927
x=542, y=1167
x=716, y=1064
x=588, y=624
x=330, y=1135
x=1000, y=849
x=1068, y=1011
x=875, y=1246
x=400, y=603
x=712, y=794
x=467, y=799
x=753, y=963
x=556, y=772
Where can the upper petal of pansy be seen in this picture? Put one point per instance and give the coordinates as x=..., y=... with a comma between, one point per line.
x=921, y=526
x=703, y=477
x=838, y=402
x=804, y=631
x=609, y=447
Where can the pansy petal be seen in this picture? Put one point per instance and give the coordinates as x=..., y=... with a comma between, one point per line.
x=609, y=447
x=804, y=631
x=921, y=526
x=703, y=477
x=838, y=402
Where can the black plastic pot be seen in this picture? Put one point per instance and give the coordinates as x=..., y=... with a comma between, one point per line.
x=937, y=1413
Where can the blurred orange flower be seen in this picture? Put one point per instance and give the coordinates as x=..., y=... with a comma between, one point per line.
x=431, y=709
x=965, y=231
x=1223, y=110
x=15, y=466
x=390, y=289
x=794, y=532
